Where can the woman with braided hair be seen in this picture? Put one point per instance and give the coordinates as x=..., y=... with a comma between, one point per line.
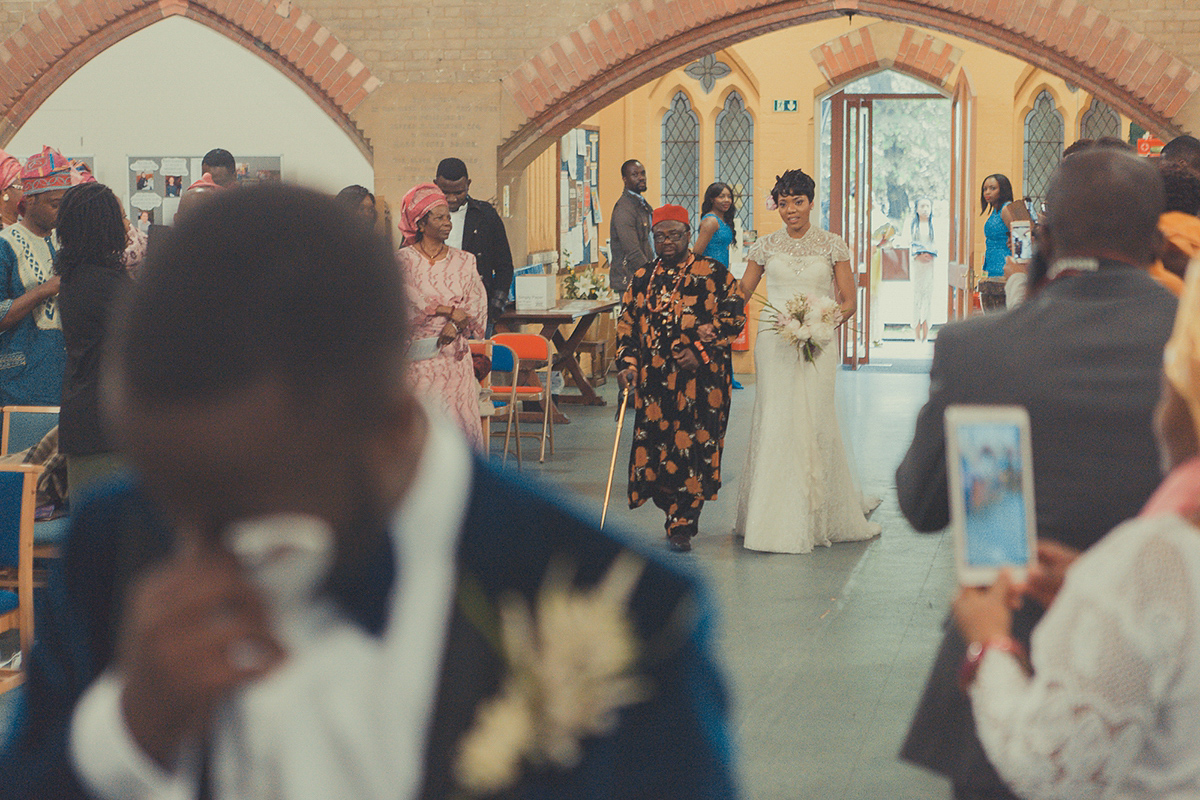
x=92, y=241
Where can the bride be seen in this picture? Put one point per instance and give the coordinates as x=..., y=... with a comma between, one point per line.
x=797, y=490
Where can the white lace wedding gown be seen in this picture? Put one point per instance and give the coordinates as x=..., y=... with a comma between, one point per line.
x=797, y=491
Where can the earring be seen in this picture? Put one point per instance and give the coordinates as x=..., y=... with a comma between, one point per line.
x=6, y=197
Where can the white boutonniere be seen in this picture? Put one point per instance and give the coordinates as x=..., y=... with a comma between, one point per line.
x=571, y=667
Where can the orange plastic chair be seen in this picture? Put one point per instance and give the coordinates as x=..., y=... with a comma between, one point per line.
x=533, y=349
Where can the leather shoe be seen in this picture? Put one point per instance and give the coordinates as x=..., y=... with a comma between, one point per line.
x=680, y=542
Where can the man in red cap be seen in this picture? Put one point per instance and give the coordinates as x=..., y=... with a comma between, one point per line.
x=681, y=312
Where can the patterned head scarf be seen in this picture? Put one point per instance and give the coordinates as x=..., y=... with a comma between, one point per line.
x=46, y=171
x=10, y=170
x=419, y=201
x=1181, y=358
x=81, y=173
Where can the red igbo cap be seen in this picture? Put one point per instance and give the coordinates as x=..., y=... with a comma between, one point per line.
x=671, y=213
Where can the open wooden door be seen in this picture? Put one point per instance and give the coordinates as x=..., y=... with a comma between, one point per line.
x=962, y=200
x=850, y=210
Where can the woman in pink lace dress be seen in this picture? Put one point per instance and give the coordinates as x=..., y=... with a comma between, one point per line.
x=447, y=306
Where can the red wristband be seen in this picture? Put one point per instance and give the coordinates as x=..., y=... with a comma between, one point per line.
x=977, y=650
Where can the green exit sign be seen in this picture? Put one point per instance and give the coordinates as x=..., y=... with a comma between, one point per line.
x=787, y=105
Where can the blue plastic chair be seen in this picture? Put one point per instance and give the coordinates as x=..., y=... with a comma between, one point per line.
x=505, y=360
x=18, y=497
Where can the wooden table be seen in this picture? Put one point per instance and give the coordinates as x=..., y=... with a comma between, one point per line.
x=583, y=313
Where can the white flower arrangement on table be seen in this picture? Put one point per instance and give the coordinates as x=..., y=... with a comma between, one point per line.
x=588, y=284
x=571, y=660
x=806, y=322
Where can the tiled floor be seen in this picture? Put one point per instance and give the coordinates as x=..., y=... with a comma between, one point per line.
x=826, y=653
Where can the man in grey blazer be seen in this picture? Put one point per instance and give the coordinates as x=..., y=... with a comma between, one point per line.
x=629, y=227
x=1083, y=355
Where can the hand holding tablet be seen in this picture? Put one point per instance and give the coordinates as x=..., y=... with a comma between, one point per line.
x=990, y=468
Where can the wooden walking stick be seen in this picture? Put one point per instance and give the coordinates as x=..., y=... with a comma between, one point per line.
x=612, y=465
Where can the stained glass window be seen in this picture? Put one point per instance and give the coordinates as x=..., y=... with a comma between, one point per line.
x=1043, y=146
x=735, y=155
x=681, y=156
x=1100, y=119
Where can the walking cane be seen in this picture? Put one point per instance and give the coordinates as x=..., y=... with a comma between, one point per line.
x=612, y=465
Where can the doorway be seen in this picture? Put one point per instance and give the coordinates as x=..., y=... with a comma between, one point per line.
x=886, y=145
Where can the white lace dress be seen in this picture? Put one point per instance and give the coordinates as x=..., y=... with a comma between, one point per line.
x=1114, y=708
x=797, y=490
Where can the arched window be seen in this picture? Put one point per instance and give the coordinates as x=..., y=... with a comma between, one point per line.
x=1043, y=146
x=735, y=155
x=1100, y=119
x=681, y=156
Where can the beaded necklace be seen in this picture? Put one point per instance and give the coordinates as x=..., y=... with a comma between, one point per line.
x=664, y=301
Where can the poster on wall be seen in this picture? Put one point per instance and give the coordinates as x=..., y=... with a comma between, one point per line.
x=157, y=182
x=578, y=198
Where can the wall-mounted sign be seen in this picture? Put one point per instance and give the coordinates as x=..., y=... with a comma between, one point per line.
x=1150, y=146
x=787, y=105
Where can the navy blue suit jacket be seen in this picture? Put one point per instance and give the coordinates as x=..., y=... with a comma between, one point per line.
x=675, y=745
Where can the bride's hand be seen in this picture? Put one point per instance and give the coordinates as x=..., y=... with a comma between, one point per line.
x=706, y=333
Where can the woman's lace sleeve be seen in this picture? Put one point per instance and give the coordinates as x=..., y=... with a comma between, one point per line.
x=758, y=252
x=1104, y=658
x=839, y=250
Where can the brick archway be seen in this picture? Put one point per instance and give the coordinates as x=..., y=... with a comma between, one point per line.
x=886, y=45
x=636, y=42
x=65, y=34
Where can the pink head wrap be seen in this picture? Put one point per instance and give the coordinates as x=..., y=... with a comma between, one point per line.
x=10, y=170
x=81, y=173
x=417, y=203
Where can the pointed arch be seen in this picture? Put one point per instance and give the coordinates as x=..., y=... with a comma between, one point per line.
x=1044, y=136
x=681, y=155
x=1100, y=119
x=65, y=34
x=734, y=153
x=629, y=44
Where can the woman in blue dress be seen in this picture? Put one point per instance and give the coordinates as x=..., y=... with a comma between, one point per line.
x=996, y=200
x=715, y=235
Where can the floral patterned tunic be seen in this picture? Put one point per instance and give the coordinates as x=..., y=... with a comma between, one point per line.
x=681, y=414
x=447, y=379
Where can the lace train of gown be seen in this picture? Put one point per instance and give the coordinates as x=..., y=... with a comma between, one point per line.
x=797, y=490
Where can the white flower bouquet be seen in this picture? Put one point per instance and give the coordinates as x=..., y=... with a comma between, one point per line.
x=588, y=284
x=807, y=323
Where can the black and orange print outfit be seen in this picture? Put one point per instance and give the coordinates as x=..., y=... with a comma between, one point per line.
x=681, y=414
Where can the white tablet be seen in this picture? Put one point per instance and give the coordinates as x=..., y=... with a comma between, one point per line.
x=990, y=465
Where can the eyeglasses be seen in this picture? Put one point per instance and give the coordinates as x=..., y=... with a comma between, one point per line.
x=671, y=236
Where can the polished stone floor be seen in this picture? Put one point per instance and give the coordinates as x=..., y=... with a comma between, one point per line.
x=826, y=653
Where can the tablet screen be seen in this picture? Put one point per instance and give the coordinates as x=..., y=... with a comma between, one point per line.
x=992, y=470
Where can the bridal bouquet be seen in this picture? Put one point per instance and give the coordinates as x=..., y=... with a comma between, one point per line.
x=807, y=323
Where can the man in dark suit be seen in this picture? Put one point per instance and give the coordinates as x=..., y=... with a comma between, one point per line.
x=1083, y=355
x=479, y=230
x=629, y=228
x=312, y=589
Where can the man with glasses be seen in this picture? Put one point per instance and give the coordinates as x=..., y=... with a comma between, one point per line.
x=681, y=313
